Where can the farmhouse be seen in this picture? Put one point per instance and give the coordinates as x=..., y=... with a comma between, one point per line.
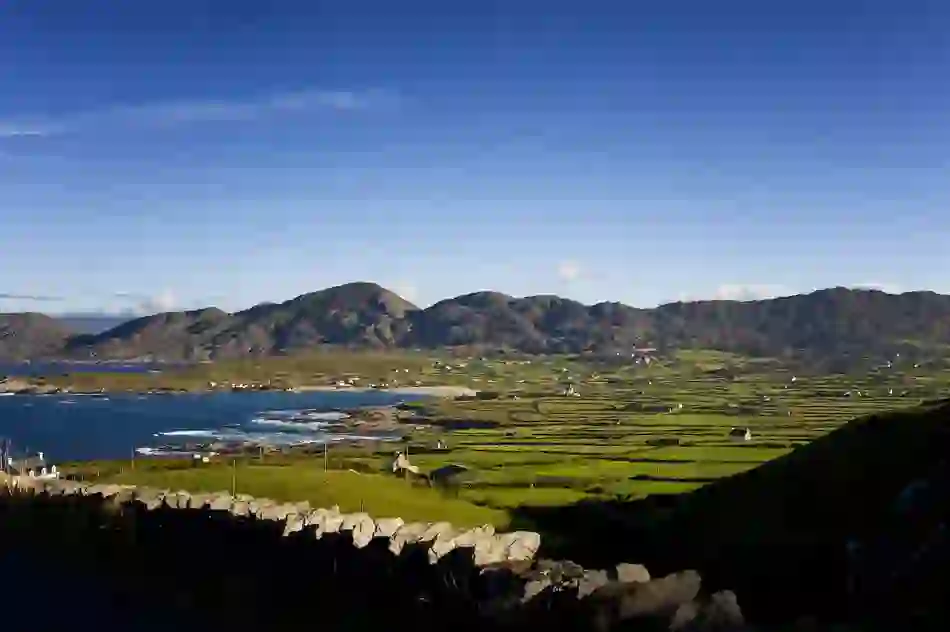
x=740, y=434
x=34, y=467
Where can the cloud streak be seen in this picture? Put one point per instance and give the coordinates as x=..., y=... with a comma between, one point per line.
x=749, y=292
x=889, y=288
x=149, y=304
x=31, y=297
x=568, y=271
x=189, y=112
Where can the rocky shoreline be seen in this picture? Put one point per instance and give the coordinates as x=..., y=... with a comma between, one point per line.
x=20, y=386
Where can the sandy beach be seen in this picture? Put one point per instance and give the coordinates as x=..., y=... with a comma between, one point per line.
x=431, y=391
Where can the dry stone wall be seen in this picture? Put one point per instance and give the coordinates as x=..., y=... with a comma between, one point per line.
x=265, y=562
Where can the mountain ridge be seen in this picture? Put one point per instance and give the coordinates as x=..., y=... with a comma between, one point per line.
x=834, y=321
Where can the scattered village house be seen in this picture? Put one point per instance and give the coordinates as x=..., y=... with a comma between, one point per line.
x=34, y=467
x=740, y=434
x=401, y=465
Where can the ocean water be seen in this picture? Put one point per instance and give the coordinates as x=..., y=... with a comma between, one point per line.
x=74, y=427
x=35, y=369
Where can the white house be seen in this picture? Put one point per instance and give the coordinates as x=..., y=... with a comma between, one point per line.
x=740, y=434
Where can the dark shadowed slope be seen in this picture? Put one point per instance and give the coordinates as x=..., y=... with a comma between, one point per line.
x=169, y=336
x=836, y=323
x=30, y=335
x=851, y=526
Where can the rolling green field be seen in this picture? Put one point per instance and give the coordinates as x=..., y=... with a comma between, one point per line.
x=629, y=431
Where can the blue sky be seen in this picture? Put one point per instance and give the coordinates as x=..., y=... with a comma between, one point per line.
x=192, y=152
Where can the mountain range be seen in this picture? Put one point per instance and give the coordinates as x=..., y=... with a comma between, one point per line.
x=836, y=322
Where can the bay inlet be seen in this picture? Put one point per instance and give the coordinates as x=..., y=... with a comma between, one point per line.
x=70, y=427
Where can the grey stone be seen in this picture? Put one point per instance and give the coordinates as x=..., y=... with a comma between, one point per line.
x=435, y=529
x=240, y=508
x=471, y=537
x=535, y=587
x=295, y=523
x=491, y=550
x=198, y=501
x=361, y=526
x=684, y=617
x=325, y=521
x=631, y=573
x=407, y=534
x=592, y=581
x=521, y=545
x=111, y=491
x=55, y=488
x=259, y=505
x=387, y=527
x=220, y=501
x=178, y=500
x=660, y=596
x=560, y=571
x=94, y=490
x=721, y=612
x=125, y=494
x=151, y=499
x=70, y=488
x=443, y=543
x=275, y=513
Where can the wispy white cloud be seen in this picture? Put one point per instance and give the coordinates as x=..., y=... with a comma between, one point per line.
x=749, y=292
x=740, y=292
x=193, y=111
x=407, y=290
x=890, y=288
x=30, y=297
x=12, y=130
x=568, y=270
x=165, y=301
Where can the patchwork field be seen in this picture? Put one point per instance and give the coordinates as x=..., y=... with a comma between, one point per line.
x=556, y=430
x=629, y=431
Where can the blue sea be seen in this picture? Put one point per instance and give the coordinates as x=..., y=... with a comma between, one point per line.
x=79, y=427
x=35, y=369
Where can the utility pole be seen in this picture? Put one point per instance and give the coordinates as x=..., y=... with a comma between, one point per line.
x=326, y=448
x=233, y=477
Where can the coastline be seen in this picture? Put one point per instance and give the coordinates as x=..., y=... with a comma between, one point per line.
x=450, y=392
x=20, y=386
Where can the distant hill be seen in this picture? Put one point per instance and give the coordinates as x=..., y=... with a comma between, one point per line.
x=91, y=323
x=27, y=335
x=835, y=323
x=356, y=314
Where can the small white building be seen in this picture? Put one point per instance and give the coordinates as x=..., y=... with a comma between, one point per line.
x=740, y=434
x=33, y=467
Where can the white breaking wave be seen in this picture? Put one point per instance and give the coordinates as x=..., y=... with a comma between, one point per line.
x=290, y=425
x=282, y=428
x=189, y=433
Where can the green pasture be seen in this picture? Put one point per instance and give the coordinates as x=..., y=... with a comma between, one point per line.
x=633, y=431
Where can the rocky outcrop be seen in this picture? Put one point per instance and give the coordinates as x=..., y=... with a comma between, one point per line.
x=438, y=576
